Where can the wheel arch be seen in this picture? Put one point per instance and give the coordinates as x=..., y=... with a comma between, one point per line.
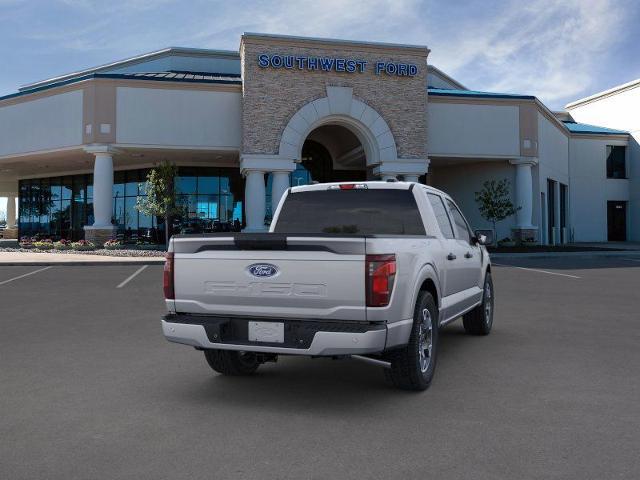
x=428, y=281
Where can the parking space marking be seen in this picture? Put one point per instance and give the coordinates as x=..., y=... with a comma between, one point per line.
x=536, y=270
x=25, y=275
x=132, y=276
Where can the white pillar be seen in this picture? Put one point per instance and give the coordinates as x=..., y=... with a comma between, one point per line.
x=103, y=190
x=524, y=194
x=411, y=178
x=11, y=212
x=254, y=197
x=279, y=185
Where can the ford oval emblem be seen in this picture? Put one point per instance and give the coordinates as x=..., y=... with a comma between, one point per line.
x=262, y=270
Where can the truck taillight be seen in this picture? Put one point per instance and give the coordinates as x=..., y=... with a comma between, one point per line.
x=169, y=292
x=380, y=276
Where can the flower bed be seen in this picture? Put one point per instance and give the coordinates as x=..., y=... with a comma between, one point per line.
x=83, y=245
x=101, y=252
x=62, y=245
x=113, y=245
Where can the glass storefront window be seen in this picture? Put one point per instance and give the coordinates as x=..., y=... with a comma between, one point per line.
x=186, y=185
x=60, y=207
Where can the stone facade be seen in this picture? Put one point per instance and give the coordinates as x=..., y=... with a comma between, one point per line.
x=272, y=96
x=99, y=236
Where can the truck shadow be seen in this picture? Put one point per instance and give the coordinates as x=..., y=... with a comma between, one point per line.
x=320, y=386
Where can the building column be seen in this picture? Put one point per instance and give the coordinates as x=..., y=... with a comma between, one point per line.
x=254, y=166
x=279, y=184
x=408, y=169
x=102, y=228
x=11, y=232
x=411, y=178
x=11, y=211
x=255, y=200
x=524, y=230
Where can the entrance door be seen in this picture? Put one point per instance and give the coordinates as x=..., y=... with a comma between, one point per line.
x=617, y=221
x=551, y=211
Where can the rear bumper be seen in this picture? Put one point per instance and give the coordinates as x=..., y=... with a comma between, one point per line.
x=315, y=338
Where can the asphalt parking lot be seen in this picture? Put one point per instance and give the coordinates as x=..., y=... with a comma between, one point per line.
x=89, y=388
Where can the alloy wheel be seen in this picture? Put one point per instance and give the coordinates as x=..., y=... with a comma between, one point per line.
x=425, y=340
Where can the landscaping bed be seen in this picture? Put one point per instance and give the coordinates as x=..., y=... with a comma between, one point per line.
x=125, y=252
x=547, y=248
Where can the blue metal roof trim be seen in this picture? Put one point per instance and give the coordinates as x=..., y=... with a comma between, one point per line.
x=226, y=80
x=585, y=128
x=444, y=92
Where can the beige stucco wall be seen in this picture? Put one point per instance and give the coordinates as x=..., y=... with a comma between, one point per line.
x=178, y=117
x=272, y=96
x=461, y=129
x=50, y=122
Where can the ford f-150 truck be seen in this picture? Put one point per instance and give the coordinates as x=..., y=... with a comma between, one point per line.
x=367, y=270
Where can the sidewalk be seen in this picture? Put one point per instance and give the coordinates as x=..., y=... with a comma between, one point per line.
x=635, y=254
x=35, y=259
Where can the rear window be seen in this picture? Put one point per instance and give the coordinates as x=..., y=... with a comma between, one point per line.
x=351, y=212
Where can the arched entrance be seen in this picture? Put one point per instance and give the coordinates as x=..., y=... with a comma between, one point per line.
x=332, y=153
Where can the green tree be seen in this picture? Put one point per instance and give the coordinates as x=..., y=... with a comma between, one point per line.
x=160, y=199
x=494, y=202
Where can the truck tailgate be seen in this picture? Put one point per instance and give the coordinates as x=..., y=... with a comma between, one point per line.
x=271, y=275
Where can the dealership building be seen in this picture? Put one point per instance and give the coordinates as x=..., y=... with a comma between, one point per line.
x=244, y=126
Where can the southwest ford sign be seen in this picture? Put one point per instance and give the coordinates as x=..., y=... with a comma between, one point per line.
x=335, y=64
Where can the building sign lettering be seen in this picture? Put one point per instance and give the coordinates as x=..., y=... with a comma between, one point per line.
x=333, y=64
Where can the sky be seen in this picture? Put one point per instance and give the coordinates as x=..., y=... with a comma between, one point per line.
x=557, y=50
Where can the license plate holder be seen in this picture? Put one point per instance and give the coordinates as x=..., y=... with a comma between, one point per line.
x=266, y=332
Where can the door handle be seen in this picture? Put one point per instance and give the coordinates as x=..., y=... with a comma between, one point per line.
x=451, y=256
x=468, y=255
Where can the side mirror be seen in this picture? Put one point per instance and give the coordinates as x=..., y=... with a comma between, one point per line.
x=483, y=237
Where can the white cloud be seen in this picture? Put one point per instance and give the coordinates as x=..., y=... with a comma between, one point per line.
x=546, y=48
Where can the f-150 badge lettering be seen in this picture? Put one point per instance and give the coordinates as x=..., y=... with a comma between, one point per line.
x=262, y=270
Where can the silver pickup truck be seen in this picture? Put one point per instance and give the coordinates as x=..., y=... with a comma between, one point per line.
x=366, y=270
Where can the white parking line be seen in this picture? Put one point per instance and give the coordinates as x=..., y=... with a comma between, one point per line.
x=536, y=270
x=132, y=276
x=25, y=275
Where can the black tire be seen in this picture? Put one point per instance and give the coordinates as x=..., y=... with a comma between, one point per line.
x=229, y=362
x=408, y=370
x=480, y=320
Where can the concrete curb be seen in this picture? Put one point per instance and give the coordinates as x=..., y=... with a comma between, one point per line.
x=83, y=263
x=617, y=253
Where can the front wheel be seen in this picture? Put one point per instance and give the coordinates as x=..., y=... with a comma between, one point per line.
x=229, y=362
x=413, y=366
x=479, y=320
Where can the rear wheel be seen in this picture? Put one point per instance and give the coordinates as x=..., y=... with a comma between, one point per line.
x=229, y=362
x=413, y=366
x=479, y=320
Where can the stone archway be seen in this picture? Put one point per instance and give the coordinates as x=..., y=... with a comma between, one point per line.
x=339, y=107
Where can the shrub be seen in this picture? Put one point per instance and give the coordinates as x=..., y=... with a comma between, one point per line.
x=46, y=244
x=83, y=245
x=113, y=244
x=62, y=245
x=26, y=242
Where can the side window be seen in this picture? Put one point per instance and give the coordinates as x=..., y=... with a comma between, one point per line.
x=462, y=229
x=441, y=215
